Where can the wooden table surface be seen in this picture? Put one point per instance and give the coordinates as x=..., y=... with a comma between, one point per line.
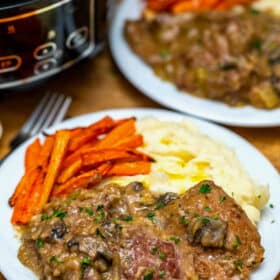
x=97, y=85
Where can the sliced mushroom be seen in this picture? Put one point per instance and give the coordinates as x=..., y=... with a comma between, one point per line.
x=207, y=231
x=58, y=230
x=168, y=197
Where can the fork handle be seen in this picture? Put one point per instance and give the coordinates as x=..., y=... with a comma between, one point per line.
x=18, y=140
x=13, y=145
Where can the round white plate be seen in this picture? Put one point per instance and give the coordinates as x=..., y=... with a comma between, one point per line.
x=255, y=163
x=143, y=78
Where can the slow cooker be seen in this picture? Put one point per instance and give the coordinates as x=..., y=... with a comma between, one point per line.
x=40, y=38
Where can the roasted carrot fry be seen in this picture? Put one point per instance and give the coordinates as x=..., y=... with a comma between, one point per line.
x=70, y=159
x=159, y=6
x=83, y=181
x=185, y=6
x=62, y=138
x=130, y=168
x=90, y=133
x=42, y=159
x=70, y=171
x=123, y=130
x=130, y=142
x=28, y=181
x=32, y=154
x=140, y=155
x=34, y=196
x=99, y=156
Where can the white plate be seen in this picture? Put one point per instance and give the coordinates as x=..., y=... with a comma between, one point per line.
x=142, y=77
x=255, y=163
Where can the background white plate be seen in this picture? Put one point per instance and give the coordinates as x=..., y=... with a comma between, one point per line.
x=142, y=77
x=254, y=162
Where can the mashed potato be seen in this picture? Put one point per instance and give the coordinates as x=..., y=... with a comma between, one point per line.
x=184, y=156
x=272, y=5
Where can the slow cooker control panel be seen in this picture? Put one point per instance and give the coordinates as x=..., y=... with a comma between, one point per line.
x=37, y=43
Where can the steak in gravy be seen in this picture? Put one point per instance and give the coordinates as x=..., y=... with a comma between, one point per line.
x=229, y=56
x=126, y=233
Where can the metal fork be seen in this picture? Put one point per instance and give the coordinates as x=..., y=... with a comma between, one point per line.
x=50, y=111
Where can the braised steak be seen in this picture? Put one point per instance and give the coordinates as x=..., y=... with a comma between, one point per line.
x=230, y=56
x=127, y=233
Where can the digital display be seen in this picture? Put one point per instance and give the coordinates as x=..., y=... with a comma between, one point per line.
x=37, y=42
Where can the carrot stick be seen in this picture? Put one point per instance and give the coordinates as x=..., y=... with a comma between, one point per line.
x=70, y=159
x=130, y=168
x=43, y=157
x=62, y=138
x=159, y=6
x=83, y=181
x=32, y=154
x=123, y=130
x=185, y=6
x=70, y=171
x=18, y=216
x=91, y=132
x=34, y=196
x=130, y=142
x=99, y=156
x=140, y=155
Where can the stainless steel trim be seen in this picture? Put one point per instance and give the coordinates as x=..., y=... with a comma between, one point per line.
x=12, y=68
x=36, y=12
x=67, y=65
x=42, y=47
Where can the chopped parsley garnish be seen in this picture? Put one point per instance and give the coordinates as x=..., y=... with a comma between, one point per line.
x=72, y=197
x=205, y=220
x=205, y=188
x=151, y=217
x=59, y=214
x=99, y=233
x=56, y=214
x=271, y=205
x=254, y=11
x=159, y=205
x=100, y=207
x=87, y=210
x=54, y=259
x=222, y=199
x=161, y=274
x=239, y=264
x=207, y=209
x=39, y=243
x=154, y=250
x=176, y=240
x=149, y=275
x=128, y=218
x=164, y=53
x=44, y=217
x=98, y=218
x=236, y=243
x=84, y=264
x=162, y=255
x=118, y=227
x=184, y=221
x=256, y=44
